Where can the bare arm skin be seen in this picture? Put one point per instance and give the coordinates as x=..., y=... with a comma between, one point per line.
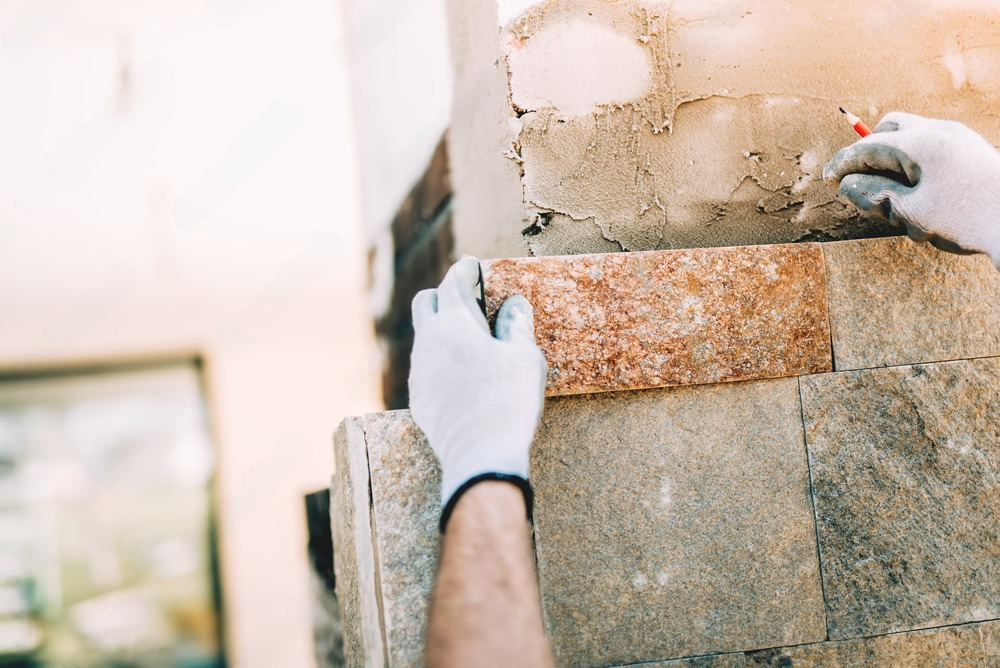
x=485, y=610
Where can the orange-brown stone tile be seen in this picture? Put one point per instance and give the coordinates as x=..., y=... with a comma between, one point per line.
x=639, y=320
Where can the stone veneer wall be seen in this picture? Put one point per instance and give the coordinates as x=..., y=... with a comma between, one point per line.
x=423, y=249
x=836, y=506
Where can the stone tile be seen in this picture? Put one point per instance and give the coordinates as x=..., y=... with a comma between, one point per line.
x=714, y=661
x=950, y=647
x=894, y=302
x=353, y=556
x=905, y=466
x=673, y=523
x=405, y=489
x=640, y=320
x=990, y=633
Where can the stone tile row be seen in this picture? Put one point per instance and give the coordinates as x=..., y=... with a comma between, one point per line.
x=683, y=522
x=626, y=321
x=975, y=645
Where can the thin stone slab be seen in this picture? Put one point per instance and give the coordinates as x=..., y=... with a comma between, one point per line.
x=354, y=557
x=406, y=502
x=674, y=523
x=949, y=647
x=905, y=468
x=626, y=321
x=895, y=302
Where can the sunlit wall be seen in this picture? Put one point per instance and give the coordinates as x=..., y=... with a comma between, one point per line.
x=179, y=178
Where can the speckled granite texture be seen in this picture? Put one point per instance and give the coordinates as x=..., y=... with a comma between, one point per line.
x=838, y=519
x=688, y=532
x=626, y=321
x=896, y=302
x=948, y=647
x=906, y=479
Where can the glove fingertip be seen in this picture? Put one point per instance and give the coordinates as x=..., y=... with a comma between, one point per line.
x=515, y=318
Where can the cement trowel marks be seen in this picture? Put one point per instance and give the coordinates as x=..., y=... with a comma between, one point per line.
x=656, y=319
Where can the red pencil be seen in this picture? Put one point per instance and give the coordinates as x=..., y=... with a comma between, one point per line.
x=858, y=125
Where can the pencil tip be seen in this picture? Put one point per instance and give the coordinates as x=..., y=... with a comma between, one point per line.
x=842, y=110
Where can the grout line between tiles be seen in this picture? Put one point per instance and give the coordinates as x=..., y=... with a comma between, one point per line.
x=812, y=499
x=904, y=365
x=977, y=622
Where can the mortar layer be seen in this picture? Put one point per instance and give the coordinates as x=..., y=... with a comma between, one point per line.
x=733, y=117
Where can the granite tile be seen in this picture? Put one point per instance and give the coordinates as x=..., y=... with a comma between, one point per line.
x=713, y=661
x=949, y=647
x=895, y=302
x=405, y=490
x=639, y=320
x=354, y=559
x=905, y=466
x=990, y=634
x=673, y=523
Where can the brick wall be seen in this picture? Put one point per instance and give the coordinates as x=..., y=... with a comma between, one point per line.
x=423, y=250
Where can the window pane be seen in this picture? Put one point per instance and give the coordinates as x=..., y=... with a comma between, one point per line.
x=106, y=552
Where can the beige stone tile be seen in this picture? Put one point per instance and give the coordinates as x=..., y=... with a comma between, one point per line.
x=354, y=559
x=405, y=489
x=949, y=647
x=990, y=633
x=674, y=523
x=626, y=321
x=905, y=466
x=894, y=302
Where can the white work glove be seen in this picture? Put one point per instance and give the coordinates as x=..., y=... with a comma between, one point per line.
x=477, y=398
x=938, y=178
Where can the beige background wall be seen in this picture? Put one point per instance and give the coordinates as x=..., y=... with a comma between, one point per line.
x=180, y=177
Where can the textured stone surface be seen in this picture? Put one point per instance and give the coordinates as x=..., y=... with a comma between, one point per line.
x=405, y=488
x=905, y=468
x=714, y=661
x=673, y=523
x=895, y=302
x=354, y=559
x=990, y=632
x=639, y=320
x=950, y=647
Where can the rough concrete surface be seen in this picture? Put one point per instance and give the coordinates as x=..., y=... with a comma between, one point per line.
x=950, y=647
x=405, y=489
x=354, y=559
x=639, y=320
x=699, y=123
x=905, y=466
x=893, y=301
x=674, y=523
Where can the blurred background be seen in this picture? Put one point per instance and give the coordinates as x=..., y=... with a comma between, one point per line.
x=187, y=294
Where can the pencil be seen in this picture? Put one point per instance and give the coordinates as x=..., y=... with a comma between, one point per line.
x=858, y=125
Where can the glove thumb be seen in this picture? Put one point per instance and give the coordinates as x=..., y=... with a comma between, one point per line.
x=516, y=321
x=884, y=195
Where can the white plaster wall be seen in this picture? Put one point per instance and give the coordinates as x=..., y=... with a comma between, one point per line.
x=180, y=177
x=401, y=84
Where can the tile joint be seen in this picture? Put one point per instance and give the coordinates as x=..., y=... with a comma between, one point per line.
x=812, y=500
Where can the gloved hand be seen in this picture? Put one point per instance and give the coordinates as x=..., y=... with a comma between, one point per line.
x=477, y=398
x=938, y=178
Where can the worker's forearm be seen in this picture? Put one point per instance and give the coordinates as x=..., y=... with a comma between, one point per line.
x=485, y=610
